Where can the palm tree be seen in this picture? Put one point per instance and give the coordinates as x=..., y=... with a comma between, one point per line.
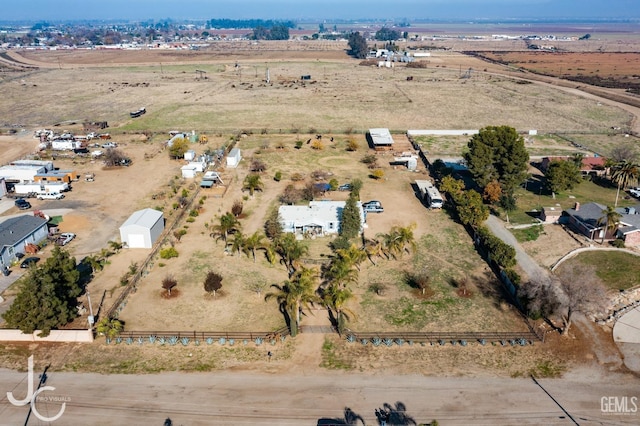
x=373, y=248
x=291, y=250
x=253, y=242
x=340, y=273
x=228, y=224
x=115, y=246
x=625, y=173
x=391, y=243
x=238, y=243
x=293, y=294
x=353, y=255
x=610, y=218
x=334, y=298
x=252, y=183
x=405, y=237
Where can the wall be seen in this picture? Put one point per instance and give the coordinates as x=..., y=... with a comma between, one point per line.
x=79, y=336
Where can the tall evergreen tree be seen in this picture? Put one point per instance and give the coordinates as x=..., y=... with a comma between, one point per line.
x=48, y=297
x=350, y=223
x=358, y=45
x=498, y=153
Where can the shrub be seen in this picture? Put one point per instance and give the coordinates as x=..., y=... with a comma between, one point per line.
x=299, y=144
x=618, y=243
x=213, y=282
x=168, y=253
x=377, y=174
x=317, y=145
x=352, y=145
x=194, y=213
x=278, y=176
x=237, y=208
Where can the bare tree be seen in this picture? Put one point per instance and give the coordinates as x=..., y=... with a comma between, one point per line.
x=540, y=297
x=237, y=207
x=114, y=157
x=581, y=291
x=168, y=283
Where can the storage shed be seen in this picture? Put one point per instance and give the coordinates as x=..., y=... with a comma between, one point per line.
x=142, y=229
x=234, y=157
x=188, y=171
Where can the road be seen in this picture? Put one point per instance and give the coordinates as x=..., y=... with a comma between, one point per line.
x=256, y=398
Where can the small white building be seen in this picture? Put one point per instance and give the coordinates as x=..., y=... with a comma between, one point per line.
x=142, y=229
x=21, y=173
x=188, y=171
x=234, y=157
x=190, y=155
x=380, y=138
x=319, y=218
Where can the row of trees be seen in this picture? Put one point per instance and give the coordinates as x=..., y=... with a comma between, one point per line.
x=331, y=285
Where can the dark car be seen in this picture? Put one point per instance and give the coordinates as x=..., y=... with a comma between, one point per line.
x=22, y=204
x=29, y=261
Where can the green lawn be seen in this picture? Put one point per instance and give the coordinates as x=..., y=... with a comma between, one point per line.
x=617, y=269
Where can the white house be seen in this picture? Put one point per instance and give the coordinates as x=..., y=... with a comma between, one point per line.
x=234, y=157
x=17, y=232
x=319, y=218
x=142, y=229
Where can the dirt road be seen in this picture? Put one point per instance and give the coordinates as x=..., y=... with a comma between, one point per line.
x=241, y=398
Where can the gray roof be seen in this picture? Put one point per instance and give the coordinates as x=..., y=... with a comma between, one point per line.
x=145, y=218
x=591, y=213
x=17, y=228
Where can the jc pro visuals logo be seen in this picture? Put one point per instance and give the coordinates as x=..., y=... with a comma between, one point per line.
x=624, y=405
x=32, y=397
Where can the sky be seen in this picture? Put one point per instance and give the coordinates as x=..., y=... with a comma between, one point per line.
x=40, y=10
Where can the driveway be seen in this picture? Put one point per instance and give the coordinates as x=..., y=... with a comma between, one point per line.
x=526, y=262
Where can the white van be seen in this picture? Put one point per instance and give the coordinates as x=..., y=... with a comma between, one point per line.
x=51, y=196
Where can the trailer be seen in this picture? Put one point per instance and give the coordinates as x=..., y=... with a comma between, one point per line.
x=429, y=194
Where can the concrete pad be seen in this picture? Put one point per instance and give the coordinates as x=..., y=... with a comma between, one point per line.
x=627, y=328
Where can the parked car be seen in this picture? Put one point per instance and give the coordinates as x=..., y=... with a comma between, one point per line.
x=635, y=192
x=373, y=209
x=372, y=203
x=109, y=145
x=22, y=204
x=65, y=238
x=51, y=196
x=29, y=261
x=345, y=187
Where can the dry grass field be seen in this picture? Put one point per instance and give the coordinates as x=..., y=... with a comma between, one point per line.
x=342, y=100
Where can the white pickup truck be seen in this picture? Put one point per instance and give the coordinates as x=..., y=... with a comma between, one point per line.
x=50, y=196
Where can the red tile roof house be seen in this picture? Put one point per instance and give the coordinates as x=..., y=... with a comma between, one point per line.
x=586, y=220
x=590, y=165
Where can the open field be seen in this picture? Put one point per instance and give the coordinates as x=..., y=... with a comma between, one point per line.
x=342, y=100
x=340, y=96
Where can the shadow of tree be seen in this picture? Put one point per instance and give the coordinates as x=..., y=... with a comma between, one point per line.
x=394, y=415
x=350, y=418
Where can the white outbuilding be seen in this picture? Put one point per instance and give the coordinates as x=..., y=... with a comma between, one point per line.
x=142, y=229
x=234, y=157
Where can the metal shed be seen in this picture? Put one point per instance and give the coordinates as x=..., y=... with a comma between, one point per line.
x=234, y=157
x=142, y=229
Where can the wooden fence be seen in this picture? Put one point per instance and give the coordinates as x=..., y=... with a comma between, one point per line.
x=204, y=335
x=446, y=336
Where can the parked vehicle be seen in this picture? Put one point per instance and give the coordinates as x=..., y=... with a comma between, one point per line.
x=29, y=261
x=51, y=196
x=345, y=187
x=22, y=204
x=372, y=203
x=373, y=209
x=109, y=145
x=635, y=192
x=65, y=238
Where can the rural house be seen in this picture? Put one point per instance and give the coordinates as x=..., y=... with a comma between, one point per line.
x=16, y=233
x=594, y=166
x=319, y=218
x=589, y=221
